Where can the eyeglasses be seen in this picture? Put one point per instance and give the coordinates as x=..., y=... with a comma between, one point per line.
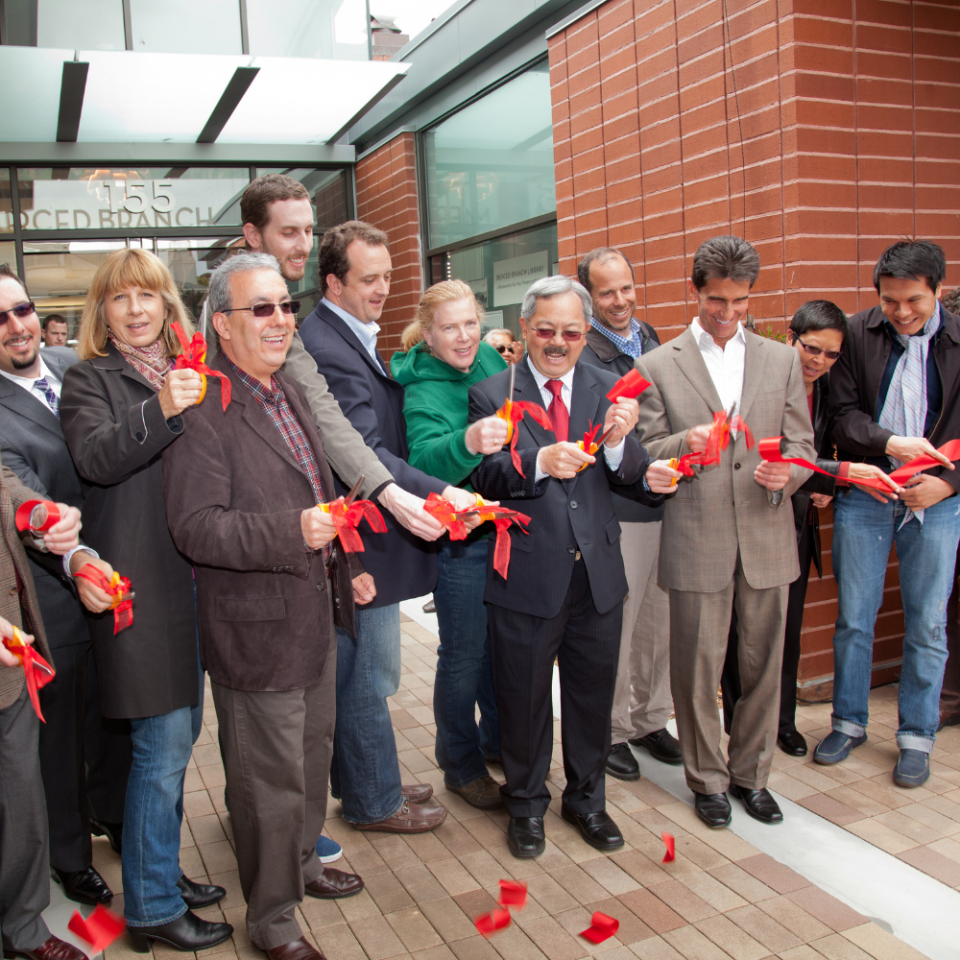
x=21, y=311
x=501, y=348
x=816, y=351
x=548, y=333
x=264, y=310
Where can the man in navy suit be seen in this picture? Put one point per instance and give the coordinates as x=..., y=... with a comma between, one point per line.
x=341, y=336
x=563, y=598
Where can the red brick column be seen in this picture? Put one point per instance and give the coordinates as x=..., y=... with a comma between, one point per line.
x=387, y=197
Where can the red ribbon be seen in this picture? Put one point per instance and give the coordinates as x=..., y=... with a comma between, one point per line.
x=769, y=449
x=513, y=893
x=601, y=928
x=347, y=519
x=631, y=385
x=37, y=673
x=587, y=443
x=25, y=511
x=719, y=438
x=194, y=352
x=444, y=513
x=489, y=923
x=117, y=587
x=100, y=929
x=512, y=411
x=671, y=844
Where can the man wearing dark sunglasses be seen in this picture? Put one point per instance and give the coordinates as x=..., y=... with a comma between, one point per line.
x=502, y=340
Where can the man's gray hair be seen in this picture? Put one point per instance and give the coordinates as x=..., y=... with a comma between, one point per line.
x=556, y=287
x=218, y=299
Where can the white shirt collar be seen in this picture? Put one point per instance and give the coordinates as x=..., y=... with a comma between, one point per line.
x=28, y=382
x=699, y=333
x=366, y=332
x=566, y=379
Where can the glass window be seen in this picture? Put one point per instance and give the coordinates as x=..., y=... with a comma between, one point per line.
x=327, y=189
x=91, y=25
x=6, y=203
x=186, y=26
x=80, y=198
x=191, y=262
x=8, y=255
x=332, y=29
x=491, y=164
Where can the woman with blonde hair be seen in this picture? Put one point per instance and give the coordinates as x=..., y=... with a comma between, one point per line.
x=443, y=357
x=120, y=407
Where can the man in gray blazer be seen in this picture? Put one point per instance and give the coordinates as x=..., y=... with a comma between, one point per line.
x=84, y=759
x=728, y=531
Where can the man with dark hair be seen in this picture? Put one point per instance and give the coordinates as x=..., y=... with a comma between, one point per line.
x=895, y=396
x=642, y=703
x=729, y=541
x=341, y=336
x=54, y=330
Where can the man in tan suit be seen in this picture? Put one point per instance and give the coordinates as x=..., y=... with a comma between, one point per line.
x=728, y=532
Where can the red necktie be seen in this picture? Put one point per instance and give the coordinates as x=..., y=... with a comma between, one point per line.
x=558, y=411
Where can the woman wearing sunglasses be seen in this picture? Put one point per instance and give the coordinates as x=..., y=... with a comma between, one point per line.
x=816, y=332
x=120, y=407
x=443, y=358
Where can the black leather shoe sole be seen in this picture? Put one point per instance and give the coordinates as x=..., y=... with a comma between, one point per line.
x=712, y=811
x=772, y=814
x=532, y=846
x=606, y=844
x=77, y=891
x=792, y=743
x=622, y=764
x=188, y=933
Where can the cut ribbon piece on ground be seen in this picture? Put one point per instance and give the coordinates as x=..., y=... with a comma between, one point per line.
x=631, y=385
x=192, y=358
x=24, y=516
x=100, y=929
x=513, y=894
x=670, y=843
x=493, y=921
x=601, y=928
x=513, y=412
x=119, y=587
x=347, y=518
x=37, y=673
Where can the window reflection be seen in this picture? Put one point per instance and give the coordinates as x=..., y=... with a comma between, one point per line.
x=332, y=29
x=6, y=203
x=90, y=25
x=186, y=26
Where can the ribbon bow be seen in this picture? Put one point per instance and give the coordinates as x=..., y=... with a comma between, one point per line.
x=684, y=465
x=444, y=513
x=194, y=353
x=719, y=438
x=346, y=518
x=512, y=411
x=588, y=443
x=37, y=673
x=24, y=516
x=119, y=587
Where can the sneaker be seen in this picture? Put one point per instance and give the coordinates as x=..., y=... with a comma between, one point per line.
x=912, y=769
x=328, y=850
x=836, y=746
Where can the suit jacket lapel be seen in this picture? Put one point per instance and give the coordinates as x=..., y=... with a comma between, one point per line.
x=753, y=366
x=691, y=363
x=526, y=389
x=584, y=403
x=349, y=337
x=31, y=408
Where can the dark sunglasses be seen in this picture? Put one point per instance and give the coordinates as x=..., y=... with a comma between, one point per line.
x=263, y=310
x=816, y=351
x=548, y=333
x=21, y=311
x=502, y=349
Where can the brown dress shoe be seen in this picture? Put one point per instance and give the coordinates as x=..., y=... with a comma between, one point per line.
x=53, y=948
x=334, y=885
x=416, y=792
x=295, y=950
x=482, y=793
x=410, y=818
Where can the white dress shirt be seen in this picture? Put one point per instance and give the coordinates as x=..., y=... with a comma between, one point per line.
x=613, y=455
x=725, y=365
x=366, y=332
x=29, y=384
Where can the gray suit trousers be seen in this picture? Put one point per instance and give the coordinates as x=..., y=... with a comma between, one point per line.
x=699, y=626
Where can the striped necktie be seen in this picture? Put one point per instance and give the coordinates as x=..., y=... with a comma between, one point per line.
x=52, y=399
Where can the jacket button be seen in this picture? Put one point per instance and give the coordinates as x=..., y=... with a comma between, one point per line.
x=736, y=466
x=574, y=504
x=139, y=437
x=12, y=591
x=571, y=549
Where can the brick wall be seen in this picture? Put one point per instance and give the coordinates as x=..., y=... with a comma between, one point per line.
x=821, y=130
x=387, y=198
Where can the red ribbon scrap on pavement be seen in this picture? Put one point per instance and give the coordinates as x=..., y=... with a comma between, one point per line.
x=37, y=673
x=631, y=385
x=491, y=922
x=100, y=929
x=347, y=518
x=671, y=844
x=25, y=512
x=769, y=449
x=194, y=353
x=601, y=928
x=513, y=411
x=512, y=894
x=117, y=586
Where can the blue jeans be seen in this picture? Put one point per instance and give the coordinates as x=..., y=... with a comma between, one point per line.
x=463, y=665
x=365, y=772
x=864, y=531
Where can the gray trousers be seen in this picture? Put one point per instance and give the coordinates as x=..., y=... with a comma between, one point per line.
x=699, y=626
x=24, y=853
x=642, y=701
x=276, y=753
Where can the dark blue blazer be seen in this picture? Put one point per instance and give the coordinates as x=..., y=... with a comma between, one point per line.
x=402, y=564
x=566, y=515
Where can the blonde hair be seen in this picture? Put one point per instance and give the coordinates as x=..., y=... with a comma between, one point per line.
x=129, y=268
x=447, y=291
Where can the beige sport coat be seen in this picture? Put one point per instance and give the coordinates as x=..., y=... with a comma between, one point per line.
x=721, y=509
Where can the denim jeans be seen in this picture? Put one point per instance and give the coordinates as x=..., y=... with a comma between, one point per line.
x=463, y=665
x=365, y=772
x=863, y=532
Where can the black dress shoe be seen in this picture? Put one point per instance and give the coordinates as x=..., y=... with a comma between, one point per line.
x=525, y=837
x=83, y=886
x=596, y=828
x=662, y=746
x=622, y=764
x=792, y=742
x=187, y=932
x=196, y=895
x=713, y=809
x=759, y=803
x=112, y=831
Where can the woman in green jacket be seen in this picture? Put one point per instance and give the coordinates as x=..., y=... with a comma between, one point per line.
x=444, y=358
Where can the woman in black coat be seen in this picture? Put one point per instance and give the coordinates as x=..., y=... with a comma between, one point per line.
x=119, y=409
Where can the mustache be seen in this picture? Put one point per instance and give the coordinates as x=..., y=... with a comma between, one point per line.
x=555, y=351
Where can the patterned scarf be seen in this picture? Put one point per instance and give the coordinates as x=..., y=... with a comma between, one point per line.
x=153, y=361
x=905, y=407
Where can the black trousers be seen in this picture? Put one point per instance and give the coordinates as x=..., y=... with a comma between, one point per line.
x=730, y=677
x=84, y=758
x=586, y=645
